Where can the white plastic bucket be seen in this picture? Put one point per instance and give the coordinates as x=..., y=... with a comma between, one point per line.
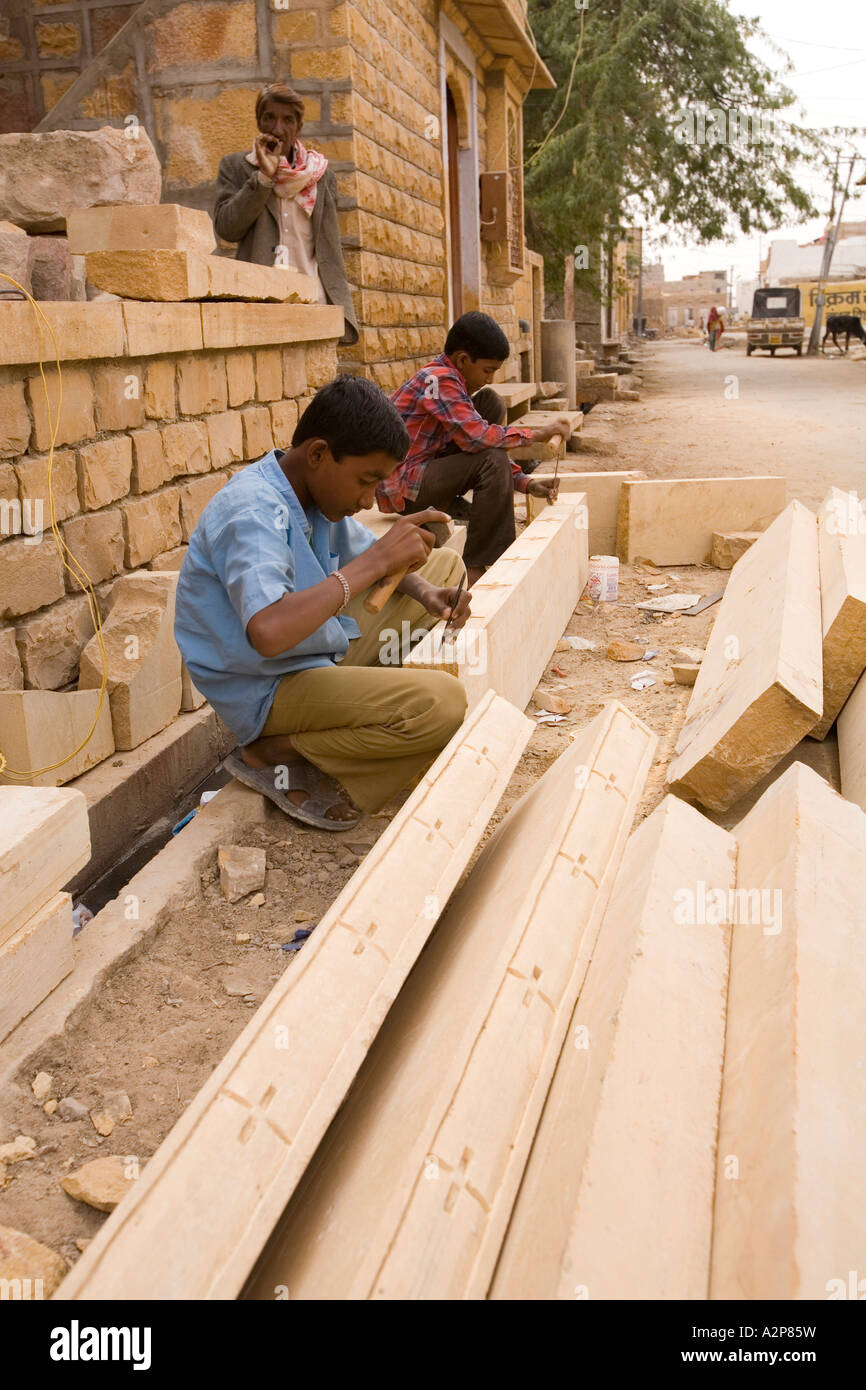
x=603, y=583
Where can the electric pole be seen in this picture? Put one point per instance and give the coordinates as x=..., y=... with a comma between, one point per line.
x=827, y=259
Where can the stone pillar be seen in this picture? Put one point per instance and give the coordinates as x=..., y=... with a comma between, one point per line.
x=557, y=355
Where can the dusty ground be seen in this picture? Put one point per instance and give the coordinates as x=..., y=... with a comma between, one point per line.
x=169, y=1016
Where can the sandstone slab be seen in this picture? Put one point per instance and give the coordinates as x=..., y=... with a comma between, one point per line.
x=760, y=685
x=851, y=731
x=144, y=686
x=44, y=841
x=41, y=727
x=161, y=227
x=520, y=607
x=842, y=563
x=16, y=261
x=617, y=1198
x=428, y=1152
x=34, y=960
x=267, y=1105
x=602, y=492
x=173, y=276
x=44, y=176
x=52, y=268
x=790, y=1209
x=671, y=521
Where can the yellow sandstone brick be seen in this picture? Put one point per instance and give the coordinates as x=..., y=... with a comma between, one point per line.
x=321, y=364
x=299, y=26
x=195, y=496
x=150, y=467
x=119, y=397
x=201, y=384
x=204, y=32
x=30, y=576
x=50, y=644
x=152, y=525
x=241, y=377
x=76, y=411
x=284, y=418
x=187, y=449
x=258, y=435
x=326, y=63
x=225, y=433
x=32, y=475
x=60, y=40
x=294, y=372
x=96, y=541
x=14, y=419
x=196, y=131
x=159, y=401
x=269, y=374
x=343, y=108
x=104, y=471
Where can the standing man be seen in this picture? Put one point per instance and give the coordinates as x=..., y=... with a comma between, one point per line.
x=458, y=442
x=279, y=202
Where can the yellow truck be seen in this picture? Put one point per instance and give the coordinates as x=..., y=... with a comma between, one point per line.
x=776, y=321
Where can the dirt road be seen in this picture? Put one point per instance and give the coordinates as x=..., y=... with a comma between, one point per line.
x=704, y=413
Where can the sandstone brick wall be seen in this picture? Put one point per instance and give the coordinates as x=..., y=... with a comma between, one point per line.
x=44, y=46
x=369, y=72
x=143, y=444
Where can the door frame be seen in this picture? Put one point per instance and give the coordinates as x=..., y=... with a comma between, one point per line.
x=451, y=39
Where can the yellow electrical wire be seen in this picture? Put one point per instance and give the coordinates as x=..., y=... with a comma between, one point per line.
x=68, y=560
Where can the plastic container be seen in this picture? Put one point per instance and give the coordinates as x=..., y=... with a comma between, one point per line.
x=603, y=582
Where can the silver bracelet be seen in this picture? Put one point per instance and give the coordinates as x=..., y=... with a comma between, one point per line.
x=347, y=592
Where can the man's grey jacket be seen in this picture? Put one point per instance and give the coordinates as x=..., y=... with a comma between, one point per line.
x=246, y=211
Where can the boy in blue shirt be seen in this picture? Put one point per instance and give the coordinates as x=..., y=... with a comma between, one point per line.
x=271, y=624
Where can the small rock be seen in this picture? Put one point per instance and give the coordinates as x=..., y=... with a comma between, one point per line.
x=236, y=984
x=347, y=860
x=562, y=646
x=276, y=881
x=620, y=649
x=324, y=876
x=20, y=1148
x=242, y=937
x=50, y=1106
x=71, y=1109
x=150, y=1061
x=82, y=1242
x=102, y=1182
x=114, y=1110
x=553, y=704
x=257, y=900
x=242, y=870
x=41, y=1086
x=2, y=1176
x=690, y=655
x=302, y=916
x=685, y=673
x=22, y=1257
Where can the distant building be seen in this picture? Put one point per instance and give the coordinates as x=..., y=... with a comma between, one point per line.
x=672, y=304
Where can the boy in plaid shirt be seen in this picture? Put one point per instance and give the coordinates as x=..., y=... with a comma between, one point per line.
x=458, y=442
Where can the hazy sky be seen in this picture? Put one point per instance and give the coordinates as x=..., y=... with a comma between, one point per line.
x=827, y=44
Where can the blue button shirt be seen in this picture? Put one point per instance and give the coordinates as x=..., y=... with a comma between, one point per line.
x=254, y=543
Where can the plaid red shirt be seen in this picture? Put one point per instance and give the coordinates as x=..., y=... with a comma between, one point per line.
x=438, y=412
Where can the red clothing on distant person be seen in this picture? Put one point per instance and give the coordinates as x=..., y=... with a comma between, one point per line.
x=437, y=411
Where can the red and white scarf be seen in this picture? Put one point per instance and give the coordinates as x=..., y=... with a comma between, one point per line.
x=297, y=180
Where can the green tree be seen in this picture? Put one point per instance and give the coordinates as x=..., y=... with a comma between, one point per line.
x=632, y=133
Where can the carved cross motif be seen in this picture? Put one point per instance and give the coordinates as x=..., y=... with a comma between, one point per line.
x=459, y=1183
x=257, y=1115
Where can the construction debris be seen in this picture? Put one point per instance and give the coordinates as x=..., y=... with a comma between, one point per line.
x=241, y=870
x=103, y=1182
x=728, y=546
x=28, y=1266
